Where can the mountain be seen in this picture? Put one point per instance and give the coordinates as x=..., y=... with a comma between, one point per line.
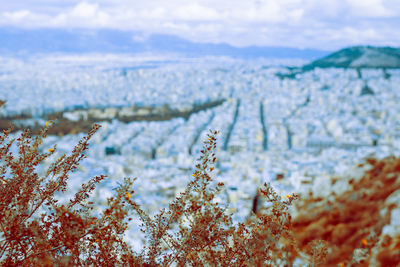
x=30, y=41
x=359, y=57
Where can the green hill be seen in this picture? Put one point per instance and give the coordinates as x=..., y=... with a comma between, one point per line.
x=359, y=57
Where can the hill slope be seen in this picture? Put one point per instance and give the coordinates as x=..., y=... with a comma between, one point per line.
x=359, y=57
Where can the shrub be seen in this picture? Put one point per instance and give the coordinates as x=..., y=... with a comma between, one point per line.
x=195, y=230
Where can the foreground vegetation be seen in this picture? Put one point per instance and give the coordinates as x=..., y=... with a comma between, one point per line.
x=195, y=230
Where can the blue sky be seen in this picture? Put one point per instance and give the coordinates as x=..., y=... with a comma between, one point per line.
x=323, y=24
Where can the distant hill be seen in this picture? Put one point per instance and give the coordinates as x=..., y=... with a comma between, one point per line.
x=359, y=57
x=25, y=42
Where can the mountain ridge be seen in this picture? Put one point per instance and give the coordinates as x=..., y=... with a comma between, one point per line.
x=31, y=41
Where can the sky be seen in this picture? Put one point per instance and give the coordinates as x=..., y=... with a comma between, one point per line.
x=321, y=24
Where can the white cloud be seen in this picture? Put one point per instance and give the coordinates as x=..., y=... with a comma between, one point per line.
x=17, y=15
x=157, y=13
x=83, y=14
x=24, y=18
x=268, y=12
x=304, y=23
x=140, y=37
x=85, y=10
x=369, y=8
x=195, y=12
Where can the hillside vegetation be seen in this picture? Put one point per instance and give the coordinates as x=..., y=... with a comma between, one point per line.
x=359, y=57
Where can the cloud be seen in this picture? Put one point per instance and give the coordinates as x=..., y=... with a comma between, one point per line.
x=83, y=14
x=17, y=15
x=157, y=13
x=24, y=18
x=85, y=10
x=369, y=8
x=195, y=12
x=302, y=23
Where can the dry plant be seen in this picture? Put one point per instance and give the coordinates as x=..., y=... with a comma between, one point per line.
x=34, y=228
x=196, y=230
x=352, y=222
x=204, y=233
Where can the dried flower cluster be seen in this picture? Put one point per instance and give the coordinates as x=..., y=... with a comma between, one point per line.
x=34, y=228
x=195, y=230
